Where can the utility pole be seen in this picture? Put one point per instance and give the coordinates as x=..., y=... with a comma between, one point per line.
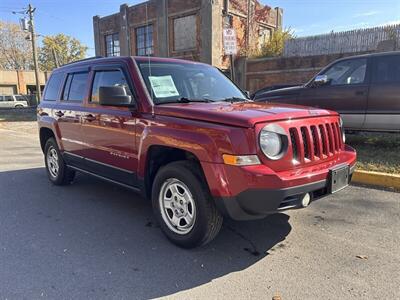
x=30, y=12
x=55, y=57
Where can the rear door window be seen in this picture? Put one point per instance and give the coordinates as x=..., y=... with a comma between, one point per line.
x=387, y=69
x=75, y=87
x=53, y=87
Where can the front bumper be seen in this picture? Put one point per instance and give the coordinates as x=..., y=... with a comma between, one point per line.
x=254, y=192
x=258, y=203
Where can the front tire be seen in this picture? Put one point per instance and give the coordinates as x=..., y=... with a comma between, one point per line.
x=57, y=170
x=183, y=205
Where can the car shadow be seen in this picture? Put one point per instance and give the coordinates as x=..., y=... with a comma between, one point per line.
x=94, y=239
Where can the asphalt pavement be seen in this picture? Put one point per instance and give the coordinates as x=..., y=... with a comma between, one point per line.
x=95, y=240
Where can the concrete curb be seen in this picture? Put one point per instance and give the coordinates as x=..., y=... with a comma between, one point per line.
x=377, y=179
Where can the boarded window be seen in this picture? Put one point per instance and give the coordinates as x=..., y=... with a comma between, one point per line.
x=264, y=36
x=8, y=89
x=185, y=31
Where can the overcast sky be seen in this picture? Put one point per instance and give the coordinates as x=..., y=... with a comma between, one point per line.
x=305, y=17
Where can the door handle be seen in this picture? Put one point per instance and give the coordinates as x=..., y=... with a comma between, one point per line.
x=59, y=113
x=360, y=93
x=89, y=117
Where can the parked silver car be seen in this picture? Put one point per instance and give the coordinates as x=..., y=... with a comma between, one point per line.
x=13, y=101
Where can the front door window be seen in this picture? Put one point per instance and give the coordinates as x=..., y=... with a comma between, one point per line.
x=348, y=72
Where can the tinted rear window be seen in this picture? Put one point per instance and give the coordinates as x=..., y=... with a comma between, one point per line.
x=387, y=69
x=53, y=87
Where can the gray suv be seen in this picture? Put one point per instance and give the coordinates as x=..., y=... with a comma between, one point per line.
x=13, y=101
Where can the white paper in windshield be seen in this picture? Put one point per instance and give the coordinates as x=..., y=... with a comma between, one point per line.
x=163, y=86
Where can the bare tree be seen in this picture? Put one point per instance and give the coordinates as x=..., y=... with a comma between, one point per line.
x=15, y=50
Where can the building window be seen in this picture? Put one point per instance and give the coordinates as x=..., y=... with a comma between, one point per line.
x=264, y=36
x=185, y=31
x=112, y=45
x=144, y=40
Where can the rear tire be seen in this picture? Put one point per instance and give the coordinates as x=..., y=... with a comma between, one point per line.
x=57, y=170
x=183, y=205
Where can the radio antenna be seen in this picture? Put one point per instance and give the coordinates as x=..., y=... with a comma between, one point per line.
x=148, y=55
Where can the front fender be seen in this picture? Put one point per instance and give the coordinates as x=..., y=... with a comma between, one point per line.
x=207, y=141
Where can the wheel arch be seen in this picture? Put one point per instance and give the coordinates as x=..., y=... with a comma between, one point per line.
x=161, y=155
x=44, y=134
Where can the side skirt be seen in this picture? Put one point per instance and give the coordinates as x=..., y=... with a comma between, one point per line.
x=103, y=171
x=106, y=179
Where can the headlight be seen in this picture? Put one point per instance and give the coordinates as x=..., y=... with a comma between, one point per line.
x=273, y=144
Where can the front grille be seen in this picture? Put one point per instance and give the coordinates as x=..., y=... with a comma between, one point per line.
x=293, y=139
x=315, y=142
x=306, y=142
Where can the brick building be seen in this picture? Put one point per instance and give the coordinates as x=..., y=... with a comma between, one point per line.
x=185, y=29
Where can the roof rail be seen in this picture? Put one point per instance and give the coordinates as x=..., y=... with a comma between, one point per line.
x=85, y=59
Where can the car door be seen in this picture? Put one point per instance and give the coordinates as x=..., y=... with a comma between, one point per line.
x=383, y=112
x=109, y=131
x=2, y=103
x=345, y=92
x=69, y=111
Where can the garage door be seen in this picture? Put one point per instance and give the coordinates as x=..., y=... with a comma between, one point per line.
x=8, y=89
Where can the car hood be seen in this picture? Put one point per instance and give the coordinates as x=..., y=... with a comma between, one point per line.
x=242, y=114
x=285, y=91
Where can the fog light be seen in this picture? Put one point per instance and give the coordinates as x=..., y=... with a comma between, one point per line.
x=306, y=200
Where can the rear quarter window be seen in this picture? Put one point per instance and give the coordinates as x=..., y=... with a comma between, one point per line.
x=387, y=69
x=53, y=87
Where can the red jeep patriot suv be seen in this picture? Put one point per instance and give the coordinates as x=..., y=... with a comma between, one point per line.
x=185, y=136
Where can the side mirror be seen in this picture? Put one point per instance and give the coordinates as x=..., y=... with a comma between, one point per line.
x=247, y=93
x=114, y=96
x=320, y=80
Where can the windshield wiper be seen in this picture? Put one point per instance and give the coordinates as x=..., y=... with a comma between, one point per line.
x=236, y=99
x=185, y=100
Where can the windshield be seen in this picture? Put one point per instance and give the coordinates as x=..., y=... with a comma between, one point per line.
x=173, y=81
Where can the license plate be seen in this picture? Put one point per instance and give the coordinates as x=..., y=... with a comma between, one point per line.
x=339, y=178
